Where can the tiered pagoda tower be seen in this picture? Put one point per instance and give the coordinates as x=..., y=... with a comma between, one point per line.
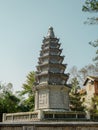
x=51, y=89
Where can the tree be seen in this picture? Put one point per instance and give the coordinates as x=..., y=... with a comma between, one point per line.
x=73, y=73
x=28, y=102
x=95, y=44
x=91, y=6
x=28, y=86
x=94, y=108
x=87, y=70
x=75, y=97
x=82, y=73
x=75, y=85
x=9, y=102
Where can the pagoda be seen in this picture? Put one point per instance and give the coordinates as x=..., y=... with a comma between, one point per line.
x=51, y=89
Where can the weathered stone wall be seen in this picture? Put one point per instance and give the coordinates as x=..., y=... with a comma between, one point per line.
x=50, y=126
x=67, y=128
x=59, y=97
x=52, y=97
x=10, y=128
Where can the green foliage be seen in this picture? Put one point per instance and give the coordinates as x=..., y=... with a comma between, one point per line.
x=75, y=97
x=28, y=102
x=28, y=86
x=94, y=108
x=9, y=102
x=75, y=85
x=90, y=5
x=95, y=44
x=75, y=102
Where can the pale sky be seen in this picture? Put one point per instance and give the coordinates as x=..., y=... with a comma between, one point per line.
x=24, y=23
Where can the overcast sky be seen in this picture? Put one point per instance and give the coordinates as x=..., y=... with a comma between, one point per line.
x=24, y=23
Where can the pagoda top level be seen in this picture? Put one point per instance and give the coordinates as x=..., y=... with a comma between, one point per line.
x=50, y=33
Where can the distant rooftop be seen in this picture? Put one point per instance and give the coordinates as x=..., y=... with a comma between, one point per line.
x=93, y=78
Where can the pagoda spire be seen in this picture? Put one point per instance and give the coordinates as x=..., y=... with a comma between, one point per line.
x=50, y=33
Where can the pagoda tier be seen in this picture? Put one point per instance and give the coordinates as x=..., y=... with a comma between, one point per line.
x=52, y=78
x=51, y=45
x=46, y=66
x=49, y=51
x=51, y=39
x=51, y=59
x=50, y=69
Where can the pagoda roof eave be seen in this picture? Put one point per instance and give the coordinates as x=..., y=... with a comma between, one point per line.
x=41, y=57
x=48, y=49
x=68, y=86
x=50, y=38
x=52, y=64
x=64, y=76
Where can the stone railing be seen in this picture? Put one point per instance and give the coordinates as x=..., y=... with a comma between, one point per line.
x=68, y=116
x=94, y=117
x=21, y=116
x=48, y=115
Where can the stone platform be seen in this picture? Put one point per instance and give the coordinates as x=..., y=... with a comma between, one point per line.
x=50, y=125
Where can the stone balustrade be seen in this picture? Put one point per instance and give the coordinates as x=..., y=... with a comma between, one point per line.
x=48, y=115
x=21, y=116
x=67, y=116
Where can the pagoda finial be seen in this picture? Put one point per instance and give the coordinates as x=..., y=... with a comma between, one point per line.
x=50, y=33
